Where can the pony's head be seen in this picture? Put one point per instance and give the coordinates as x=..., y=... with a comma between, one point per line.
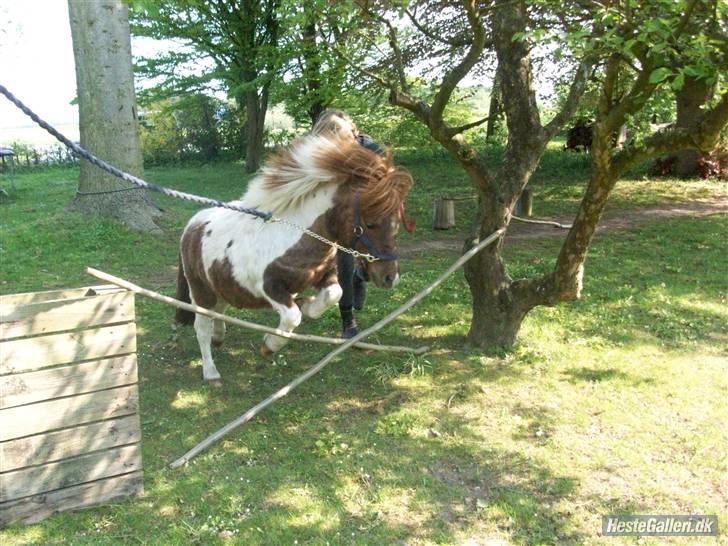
x=372, y=193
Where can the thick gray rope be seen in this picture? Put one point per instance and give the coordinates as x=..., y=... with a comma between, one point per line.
x=101, y=164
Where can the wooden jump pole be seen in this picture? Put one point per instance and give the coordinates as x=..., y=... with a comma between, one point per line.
x=244, y=323
x=252, y=412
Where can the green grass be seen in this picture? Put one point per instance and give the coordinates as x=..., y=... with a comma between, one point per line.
x=615, y=403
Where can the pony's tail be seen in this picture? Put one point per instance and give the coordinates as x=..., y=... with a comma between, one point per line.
x=183, y=294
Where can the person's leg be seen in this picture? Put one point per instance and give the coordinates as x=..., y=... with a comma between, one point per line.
x=359, y=285
x=345, y=270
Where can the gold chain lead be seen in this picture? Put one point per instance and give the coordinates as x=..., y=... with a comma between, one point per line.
x=355, y=253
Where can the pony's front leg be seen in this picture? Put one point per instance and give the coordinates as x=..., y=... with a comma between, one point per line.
x=290, y=316
x=329, y=295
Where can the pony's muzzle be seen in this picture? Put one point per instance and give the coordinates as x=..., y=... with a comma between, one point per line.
x=386, y=276
x=390, y=281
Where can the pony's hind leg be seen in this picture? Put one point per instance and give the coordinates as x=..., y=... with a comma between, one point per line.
x=204, y=329
x=218, y=327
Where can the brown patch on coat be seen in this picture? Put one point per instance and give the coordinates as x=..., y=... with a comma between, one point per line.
x=222, y=284
x=191, y=254
x=308, y=263
x=225, y=285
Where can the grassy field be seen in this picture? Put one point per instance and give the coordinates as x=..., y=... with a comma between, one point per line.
x=613, y=404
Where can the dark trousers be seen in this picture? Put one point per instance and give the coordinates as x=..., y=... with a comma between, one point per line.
x=346, y=267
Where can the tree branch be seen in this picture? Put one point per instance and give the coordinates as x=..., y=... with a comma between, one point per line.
x=365, y=71
x=578, y=85
x=703, y=137
x=431, y=35
x=452, y=131
x=398, y=60
x=635, y=99
x=459, y=71
x=684, y=20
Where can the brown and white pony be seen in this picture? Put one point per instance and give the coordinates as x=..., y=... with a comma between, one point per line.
x=327, y=183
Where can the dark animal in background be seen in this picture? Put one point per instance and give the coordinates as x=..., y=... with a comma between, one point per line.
x=579, y=137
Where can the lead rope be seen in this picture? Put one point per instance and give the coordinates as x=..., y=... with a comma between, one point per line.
x=103, y=165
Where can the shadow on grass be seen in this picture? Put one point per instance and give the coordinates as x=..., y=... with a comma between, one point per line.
x=304, y=472
x=591, y=375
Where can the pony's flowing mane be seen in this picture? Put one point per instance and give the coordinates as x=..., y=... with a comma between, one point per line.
x=294, y=174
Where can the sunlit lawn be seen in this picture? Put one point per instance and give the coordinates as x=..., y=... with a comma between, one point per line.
x=613, y=404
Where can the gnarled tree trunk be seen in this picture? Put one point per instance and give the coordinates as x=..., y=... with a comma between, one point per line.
x=694, y=94
x=256, y=108
x=107, y=112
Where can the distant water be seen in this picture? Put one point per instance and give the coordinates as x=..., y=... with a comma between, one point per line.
x=35, y=136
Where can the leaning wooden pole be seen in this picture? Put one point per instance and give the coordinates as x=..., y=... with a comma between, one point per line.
x=244, y=323
x=252, y=412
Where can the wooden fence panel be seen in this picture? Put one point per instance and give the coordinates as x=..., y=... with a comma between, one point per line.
x=69, y=404
x=85, y=408
x=41, y=352
x=49, y=295
x=61, y=315
x=71, y=442
x=20, y=389
x=37, y=508
x=86, y=468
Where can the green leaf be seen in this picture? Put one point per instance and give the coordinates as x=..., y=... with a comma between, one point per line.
x=659, y=74
x=678, y=82
x=519, y=36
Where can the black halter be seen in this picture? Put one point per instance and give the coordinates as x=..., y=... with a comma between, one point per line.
x=360, y=235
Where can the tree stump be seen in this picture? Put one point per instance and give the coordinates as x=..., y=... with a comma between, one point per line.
x=443, y=213
x=524, y=205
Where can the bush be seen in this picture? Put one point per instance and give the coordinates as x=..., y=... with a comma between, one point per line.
x=196, y=127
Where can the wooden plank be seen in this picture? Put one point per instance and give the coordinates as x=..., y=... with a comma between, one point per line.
x=54, y=446
x=29, y=387
x=48, y=295
x=23, y=421
x=38, y=507
x=59, y=315
x=86, y=468
x=41, y=352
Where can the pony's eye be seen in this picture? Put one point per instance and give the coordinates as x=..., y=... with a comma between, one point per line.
x=372, y=226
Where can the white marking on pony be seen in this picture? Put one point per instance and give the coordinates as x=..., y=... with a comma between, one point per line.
x=204, y=329
x=396, y=280
x=290, y=319
x=316, y=306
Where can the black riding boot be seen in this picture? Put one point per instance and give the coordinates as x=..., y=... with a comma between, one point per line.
x=348, y=323
x=359, y=285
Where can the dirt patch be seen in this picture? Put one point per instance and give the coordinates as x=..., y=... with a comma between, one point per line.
x=613, y=219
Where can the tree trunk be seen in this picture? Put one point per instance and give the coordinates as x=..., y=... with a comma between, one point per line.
x=497, y=317
x=107, y=112
x=312, y=64
x=495, y=109
x=499, y=304
x=211, y=139
x=693, y=95
x=254, y=128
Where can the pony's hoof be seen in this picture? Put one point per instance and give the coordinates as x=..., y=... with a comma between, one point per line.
x=266, y=351
x=216, y=383
x=217, y=343
x=211, y=376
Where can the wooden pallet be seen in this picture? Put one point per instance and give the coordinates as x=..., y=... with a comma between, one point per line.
x=69, y=405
